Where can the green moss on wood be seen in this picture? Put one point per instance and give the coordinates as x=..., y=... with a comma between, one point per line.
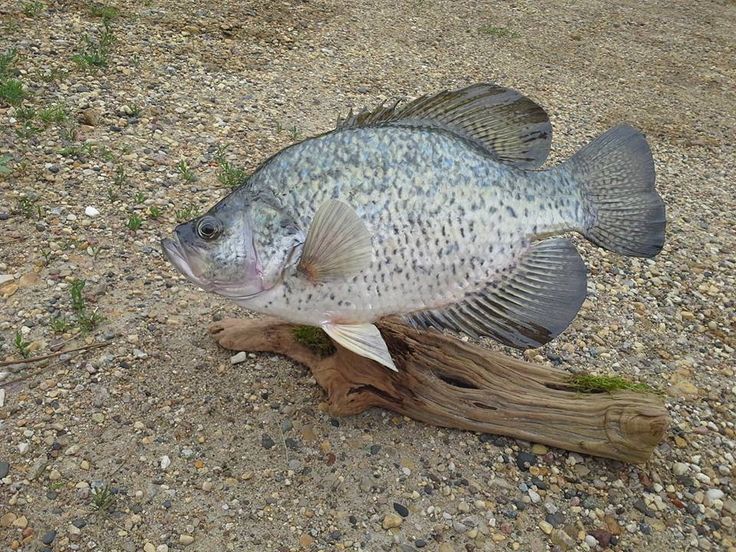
x=314, y=339
x=587, y=383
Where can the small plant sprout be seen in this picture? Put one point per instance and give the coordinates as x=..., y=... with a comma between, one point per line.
x=107, y=13
x=25, y=114
x=139, y=197
x=120, y=176
x=11, y=92
x=154, y=212
x=78, y=303
x=135, y=111
x=498, y=32
x=134, y=222
x=86, y=319
x=295, y=133
x=55, y=114
x=5, y=165
x=28, y=207
x=32, y=9
x=61, y=325
x=46, y=254
x=103, y=499
x=22, y=345
x=185, y=214
x=228, y=174
x=185, y=171
x=95, y=52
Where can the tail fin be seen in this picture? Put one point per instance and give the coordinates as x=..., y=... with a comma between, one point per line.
x=625, y=212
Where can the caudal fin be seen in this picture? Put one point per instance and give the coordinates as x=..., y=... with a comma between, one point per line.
x=625, y=213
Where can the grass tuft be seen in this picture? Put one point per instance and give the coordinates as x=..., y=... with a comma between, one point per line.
x=22, y=345
x=498, y=32
x=229, y=175
x=103, y=499
x=314, y=339
x=588, y=383
x=134, y=222
x=11, y=92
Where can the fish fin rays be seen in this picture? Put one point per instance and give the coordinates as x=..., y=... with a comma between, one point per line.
x=338, y=244
x=529, y=307
x=507, y=125
x=362, y=339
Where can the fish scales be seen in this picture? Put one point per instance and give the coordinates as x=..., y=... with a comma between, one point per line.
x=443, y=216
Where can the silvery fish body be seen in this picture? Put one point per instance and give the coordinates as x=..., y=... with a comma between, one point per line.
x=434, y=212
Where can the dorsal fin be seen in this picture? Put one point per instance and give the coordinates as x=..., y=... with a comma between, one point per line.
x=509, y=126
x=529, y=307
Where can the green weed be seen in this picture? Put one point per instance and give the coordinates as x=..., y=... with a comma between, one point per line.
x=228, y=174
x=103, y=499
x=107, y=13
x=121, y=176
x=154, y=212
x=4, y=164
x=498, y=32
x=185, y=171
x=185, y=214
x=61, y=325
x=139, y=197
x=86, y=319
x=28, y=207
x=11, y=92
x=96, y=52
x=55, y=114
x=25, y=114
x=134, y=222
x=32, y=9
x=22, y=345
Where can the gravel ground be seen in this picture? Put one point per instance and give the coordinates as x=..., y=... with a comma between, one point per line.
x=156, y=442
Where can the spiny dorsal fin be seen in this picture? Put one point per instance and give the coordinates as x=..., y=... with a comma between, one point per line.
x=338, y=244
x=363, y=339
x=529, y=307
x=509, y=126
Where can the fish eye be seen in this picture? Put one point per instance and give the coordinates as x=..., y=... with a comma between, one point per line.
x=208, y=228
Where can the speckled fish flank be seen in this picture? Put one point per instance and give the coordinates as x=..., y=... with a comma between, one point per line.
x=436, y=212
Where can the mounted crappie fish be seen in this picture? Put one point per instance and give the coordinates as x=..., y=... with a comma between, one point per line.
x=433, y=211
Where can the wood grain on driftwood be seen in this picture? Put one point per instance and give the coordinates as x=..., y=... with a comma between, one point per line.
x=446, y=382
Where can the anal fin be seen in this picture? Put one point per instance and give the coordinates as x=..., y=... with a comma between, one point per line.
x=362, y=339
x=528, y=307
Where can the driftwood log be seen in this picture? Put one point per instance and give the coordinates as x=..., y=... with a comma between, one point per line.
x=446, y=382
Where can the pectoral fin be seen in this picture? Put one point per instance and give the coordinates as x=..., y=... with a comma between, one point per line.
x=362, y=339
x=338, y=244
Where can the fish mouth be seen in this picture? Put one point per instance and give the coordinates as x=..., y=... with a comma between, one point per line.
x=176, y=254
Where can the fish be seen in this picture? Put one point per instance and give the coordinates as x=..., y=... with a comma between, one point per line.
x=437, y=211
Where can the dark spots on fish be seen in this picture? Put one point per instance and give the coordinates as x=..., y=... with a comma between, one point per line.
x=462, y=231
x=534, y=229
x=511, y=211
x=339, y=303
x=526, y=212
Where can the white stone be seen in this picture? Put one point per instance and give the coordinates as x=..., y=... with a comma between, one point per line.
x=2, y=398
x=711, y=495
x=534, y=495
x=165, y=462
x=91, y=212
x=238, y=358
x=679, y=468
x=5, y=278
